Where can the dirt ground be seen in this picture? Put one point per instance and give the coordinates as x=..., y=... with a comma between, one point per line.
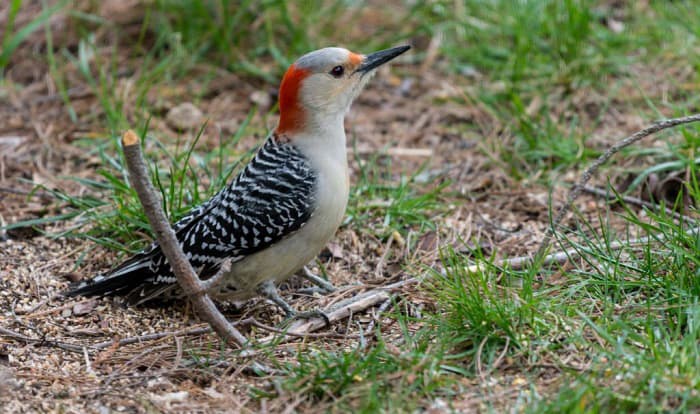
x=413, y=113
x=34, y=269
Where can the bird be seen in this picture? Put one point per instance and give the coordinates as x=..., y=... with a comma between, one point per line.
x=281, y=209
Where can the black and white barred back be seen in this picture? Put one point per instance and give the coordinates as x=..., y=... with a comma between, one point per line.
x=271, y=198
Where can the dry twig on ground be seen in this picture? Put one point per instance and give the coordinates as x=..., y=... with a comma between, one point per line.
x=576, y=190
x=610, y=196
x=348, y=307
x=39, y=341
x=517, y=263
x=186, y=277
x=152, y=337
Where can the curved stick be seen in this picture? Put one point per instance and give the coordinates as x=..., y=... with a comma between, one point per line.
x=186, y=277
x=576, y=190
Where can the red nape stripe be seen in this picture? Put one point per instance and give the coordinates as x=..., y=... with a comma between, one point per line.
x=291, y=113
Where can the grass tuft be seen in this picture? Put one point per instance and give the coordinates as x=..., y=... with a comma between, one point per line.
x=379, y=378
x=394, y=203
x=13, y=37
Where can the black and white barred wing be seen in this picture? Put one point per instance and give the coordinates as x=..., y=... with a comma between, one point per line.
x=270, y=199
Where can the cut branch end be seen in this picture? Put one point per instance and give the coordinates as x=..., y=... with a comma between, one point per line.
x=130, y=138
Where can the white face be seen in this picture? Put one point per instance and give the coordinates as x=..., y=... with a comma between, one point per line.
x=333, y=82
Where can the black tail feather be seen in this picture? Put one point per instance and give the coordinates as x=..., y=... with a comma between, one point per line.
x=128, y=276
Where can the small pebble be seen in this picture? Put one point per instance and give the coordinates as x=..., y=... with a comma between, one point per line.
x=184, y=116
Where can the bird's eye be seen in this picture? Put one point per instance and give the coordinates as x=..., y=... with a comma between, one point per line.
x=337, y=71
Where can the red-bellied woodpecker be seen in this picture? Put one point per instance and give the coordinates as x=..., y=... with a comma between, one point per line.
x=281, y=209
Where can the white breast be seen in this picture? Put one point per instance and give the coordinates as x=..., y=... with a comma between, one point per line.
x=328, y=156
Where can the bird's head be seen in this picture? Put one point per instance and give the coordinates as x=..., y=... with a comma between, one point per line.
x=322, y=84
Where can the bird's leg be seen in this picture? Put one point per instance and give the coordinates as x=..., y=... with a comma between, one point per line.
x=317, y=280
x=269, y=290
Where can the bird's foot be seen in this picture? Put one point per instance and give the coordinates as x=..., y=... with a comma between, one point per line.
x=269, y=290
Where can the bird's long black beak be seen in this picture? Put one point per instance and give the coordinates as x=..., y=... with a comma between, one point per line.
x=377, y=59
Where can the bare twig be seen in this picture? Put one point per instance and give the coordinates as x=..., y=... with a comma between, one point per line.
x=200, y=330
x=214, y=280
x=153, y=337
x=381, y=309
x=495, y=364
x=498, y=360
x=342, y=310
x=370, y=327
x=398, y=151
x=576, y=190
x=479, y=350
x=520, y=262
x=317, y=280
x=88, y=365
x=635, y=201
x=254, y=322
x=40, y=341
x=186, y=277
x=379, y=269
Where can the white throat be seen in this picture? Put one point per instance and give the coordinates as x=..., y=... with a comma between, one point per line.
x=324, y=134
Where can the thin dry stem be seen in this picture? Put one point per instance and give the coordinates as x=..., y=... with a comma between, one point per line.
x=152, y=337
x=186, y=277
x=576, y=190
x=516, y=263
x=341, y=311
x=637, y=202
x=40, y=341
